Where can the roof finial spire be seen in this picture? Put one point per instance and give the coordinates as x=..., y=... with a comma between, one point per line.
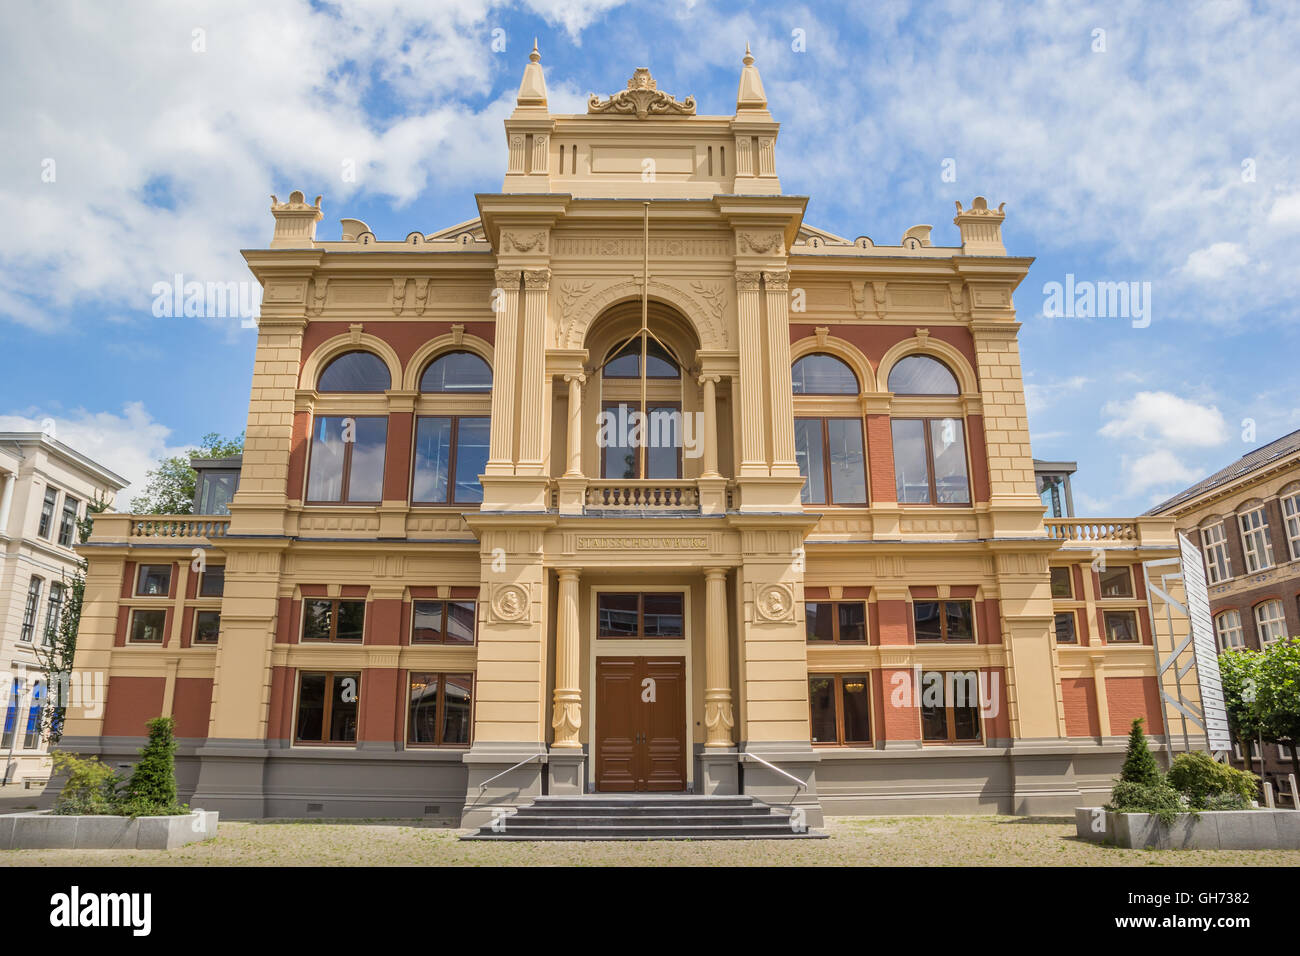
x=749, y=57
x=535, y=57
x=532, y=90
x=751, y=95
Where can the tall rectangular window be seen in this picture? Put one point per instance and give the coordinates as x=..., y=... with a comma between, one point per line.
x=11, y=717
x=839, y=709
x=450, y=453
x=68, y=523
x=1227, y=626
x=439, y=709
x=53, y=612
x=831, y=458
x=1270, y=622
x=213, y=581
x=950, y=707
x=623, y=434
x=327, y=707
x=944, y=621
x=347, y=460
x=46, y=526
x=1065, y=628
x=1062, y=586
x=1291, y=517
x=30, y=608
x=835, y=621
x=930, y=461
x=1254, y=540
x=442, y=622
x=207, y=627
x=324, y=619
x=1214, y=541
x=32, y=735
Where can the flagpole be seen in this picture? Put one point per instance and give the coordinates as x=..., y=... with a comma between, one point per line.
x=645, y=326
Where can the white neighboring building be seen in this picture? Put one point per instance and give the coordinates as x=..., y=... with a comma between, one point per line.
x=44, y=489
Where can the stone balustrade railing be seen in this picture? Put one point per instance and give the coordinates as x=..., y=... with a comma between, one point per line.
x=1092, y=529
x=642, y=495
x=178, y=526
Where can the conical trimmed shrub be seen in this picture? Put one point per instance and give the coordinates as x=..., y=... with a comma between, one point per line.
x=1139, y=763
x=152, y=788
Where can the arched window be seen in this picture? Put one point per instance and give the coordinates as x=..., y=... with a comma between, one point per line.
x=355, y=372
x=922, y=375
x=1270, y=622
x=1228, y=626
x=822, y=374
x=457, y=372
x=625, y=363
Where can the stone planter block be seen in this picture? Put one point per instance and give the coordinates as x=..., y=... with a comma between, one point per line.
x=42, y=830
x=1208, y=830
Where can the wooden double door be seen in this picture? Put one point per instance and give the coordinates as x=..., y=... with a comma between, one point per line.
x=640, y=724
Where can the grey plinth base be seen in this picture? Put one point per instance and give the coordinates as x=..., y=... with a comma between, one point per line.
x=42, y=830
x=502, y=776
x=566, y=771
x=719, y=771
x=795, y=758
x=1208, y=830
x=232, y=778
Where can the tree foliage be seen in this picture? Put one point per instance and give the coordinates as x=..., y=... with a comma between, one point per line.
x=1140, y=765
x=151, y=791
x=169, y=489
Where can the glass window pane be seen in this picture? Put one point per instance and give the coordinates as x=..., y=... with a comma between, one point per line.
x=352, y=619
x=1061, y=587
x=821, y=709
x=921, y=375
x=427, y=617
x=934, y=722
x=432, y=460
x=928, y=624
x=848, y=463
x=471, y=458
x=217, y=489
x=355, y=372
x=658, y=363
x=663, y=615
x=456, y=708
x=966, y=722
x=853, y=621
x=155, y=580
x=316, y=617
x=911, y=470
x=616, y=438
x=616, y=615
x=212, y=583
x=961, y=620
x=821, y=374
x=857, y=709
x=311, y=706
x=460, y=622
x=808, y=452
x=949, y=445
x=207, y=627
x=366, y=482
x=1116, y=583
x=818, y=620
x=663, y=440
x=325, y=477
x=1065, y=628
x=457, y=372
x=423, y=707
x=343, y=709
x=1121, y=627
x=626, y=363
x=147, y=626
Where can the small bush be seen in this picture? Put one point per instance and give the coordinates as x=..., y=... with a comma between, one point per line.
x=1210, y=785
x=152, y=788
x=92, y=786
x=1159, y=799
x=1139, y=763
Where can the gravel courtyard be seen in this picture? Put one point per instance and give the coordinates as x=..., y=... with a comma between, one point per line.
x=869, y=841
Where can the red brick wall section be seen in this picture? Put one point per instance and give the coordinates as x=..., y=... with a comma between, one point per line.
x=979, y=458
x=132, y=702
x=880, y=459
x=280, y=719
x=1079, y=697
x=875, y=340
x=404, y=337
x=123, y=622
x=895, y=622
x=187, y=626
x=816, y=594
x=191, y=705
x=997, y=725
x=856, y=593
x=128, y=579
x=397, y=456
x=902, y=716
x=1129, y=697
x=379, y=701
x=384, y=621
x=990, y=623
x=298, y=456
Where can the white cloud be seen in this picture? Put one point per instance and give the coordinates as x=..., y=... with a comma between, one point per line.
x=130, y=443
x=1040, y=395
x=1215, y=261
x=1285, y=211
x=1165, y=418
x=1160, y=468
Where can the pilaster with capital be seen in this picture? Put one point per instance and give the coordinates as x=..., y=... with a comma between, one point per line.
x=533, y=404
x=501, y=452
x=753, y=452
x=777, y=284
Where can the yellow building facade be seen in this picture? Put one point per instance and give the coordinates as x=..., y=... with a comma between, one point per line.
x=636, y=482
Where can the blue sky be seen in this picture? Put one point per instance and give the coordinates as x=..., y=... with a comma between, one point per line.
x=1160, y=150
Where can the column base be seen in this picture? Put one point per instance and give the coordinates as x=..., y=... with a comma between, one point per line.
x=566, y=772
x=719, y=771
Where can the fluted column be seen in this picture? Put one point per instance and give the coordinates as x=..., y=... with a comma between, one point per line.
x=718, y=719
x=573, y=436
x=778, y=371
x=532, y=403
x=567, y=717
x=753, y=453
x=501, y=451
x=710, y=436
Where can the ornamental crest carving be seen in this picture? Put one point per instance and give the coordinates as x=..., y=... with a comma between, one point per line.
x=761, y=243
x=524, y=242
x=510, y=603
x=642, y=98
x=774, y=602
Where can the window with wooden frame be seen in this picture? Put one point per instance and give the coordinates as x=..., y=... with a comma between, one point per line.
x=334, y=620
x=930, y=461
x=153, y=580
x=1064, y=624
x=451, y=451
x=1062, y=584
x=839, y=707
x=1227, y=626
x=207, y=627
x=439, y=709
x=1218, y=564
x=212, y=583
x=442, y=622
x=950, y=707
x=1116, y=582
x=347, y=459
x=327, y=707
x=1291, y=518
x=632, y=616
x=831, y=457
x=1270, y=622
x=947, y=622
x=835, y=622
x=1121, y=627
x=1256, y=547
x=148, y=626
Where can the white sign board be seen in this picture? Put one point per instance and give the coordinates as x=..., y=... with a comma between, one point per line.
x=1204, y=646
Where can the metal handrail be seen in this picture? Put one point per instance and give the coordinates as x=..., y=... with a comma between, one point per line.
x=770, y=766
x=483, y=786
